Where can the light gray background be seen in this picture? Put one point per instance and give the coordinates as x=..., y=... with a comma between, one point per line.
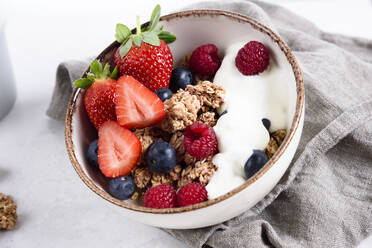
x=55, y=208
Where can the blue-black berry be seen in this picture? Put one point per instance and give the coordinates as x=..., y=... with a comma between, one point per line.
x=161, y=157
x=91, y=154
x=122, y=187
x=180, y=78
x=224, y=112
x=266, y=123
x=164, y=93
x=255, y=162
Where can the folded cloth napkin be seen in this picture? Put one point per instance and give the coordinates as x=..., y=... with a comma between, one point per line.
x=325, y=198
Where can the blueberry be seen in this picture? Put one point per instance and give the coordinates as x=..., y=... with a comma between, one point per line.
x=121, y=188
x=266, y=123
x=161, y=157
x=224, y=112
x=255, y=162
x=164, y=93
x=180, y=78
x=91, y=154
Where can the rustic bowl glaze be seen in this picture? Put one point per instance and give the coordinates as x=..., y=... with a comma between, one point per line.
x=194, y=28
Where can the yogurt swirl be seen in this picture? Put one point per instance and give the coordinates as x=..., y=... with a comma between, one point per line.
x=248, y=100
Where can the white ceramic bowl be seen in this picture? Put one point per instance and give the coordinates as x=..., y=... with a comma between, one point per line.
x=194, y=28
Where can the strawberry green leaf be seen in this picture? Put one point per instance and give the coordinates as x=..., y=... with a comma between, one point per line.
x=122, y=32
x=83, y=83
x=147, y=28
x=167, y=37
x=91, y=77
x=155, y=15
x=96, y=68
x=151, y=38
x=124, y=49
x=106, y=70
x=114, y=73
x=137, y=39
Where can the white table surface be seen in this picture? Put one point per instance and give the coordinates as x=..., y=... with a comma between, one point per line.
x=55, y=208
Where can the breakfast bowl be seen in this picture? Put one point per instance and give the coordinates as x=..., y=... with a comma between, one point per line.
x=194, y=28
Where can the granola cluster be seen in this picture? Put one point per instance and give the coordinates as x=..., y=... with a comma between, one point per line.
x=276, y=139
x=209, y=118
x=209, y=94
x=201, y=171
x=177, y=142
x=180, y=111
x=196, y=103
x=8, y=212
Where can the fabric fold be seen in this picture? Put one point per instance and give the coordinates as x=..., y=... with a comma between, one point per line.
x=67, y=73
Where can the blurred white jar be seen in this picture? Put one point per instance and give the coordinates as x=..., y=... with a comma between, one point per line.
x=7, y=82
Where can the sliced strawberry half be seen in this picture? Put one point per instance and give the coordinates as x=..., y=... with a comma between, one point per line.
x=136, y=105
x=118, y=149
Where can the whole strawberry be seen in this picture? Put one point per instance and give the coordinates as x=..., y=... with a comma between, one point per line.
x=145, y=55
x=99, y=99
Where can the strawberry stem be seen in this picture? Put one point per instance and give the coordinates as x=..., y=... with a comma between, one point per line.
x=138, y=26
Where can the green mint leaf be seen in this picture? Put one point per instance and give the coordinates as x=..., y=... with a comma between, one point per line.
x=106, y=70
x=155, y=16
x=151, y=38
x=167, y=37
x=83, y=83
x=137, y=39
x=122, y=32
x=114, y=73
x=96, y=68
x=124, y=49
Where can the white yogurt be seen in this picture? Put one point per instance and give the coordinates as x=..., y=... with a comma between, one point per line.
x=248, y=99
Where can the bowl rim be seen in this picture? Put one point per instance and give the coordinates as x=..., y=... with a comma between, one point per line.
x=294, y=126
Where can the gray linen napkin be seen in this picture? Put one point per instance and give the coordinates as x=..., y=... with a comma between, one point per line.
x=67, y=73
x=325, y=198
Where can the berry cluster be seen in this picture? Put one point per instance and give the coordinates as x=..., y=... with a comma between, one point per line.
x=132, y=97
x=117, y=106
x=164, y=196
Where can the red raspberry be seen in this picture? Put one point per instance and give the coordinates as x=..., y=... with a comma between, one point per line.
x=253, y=58
x=191, y=193
x=204, y=60
x=200, y=140
x=161, y=196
